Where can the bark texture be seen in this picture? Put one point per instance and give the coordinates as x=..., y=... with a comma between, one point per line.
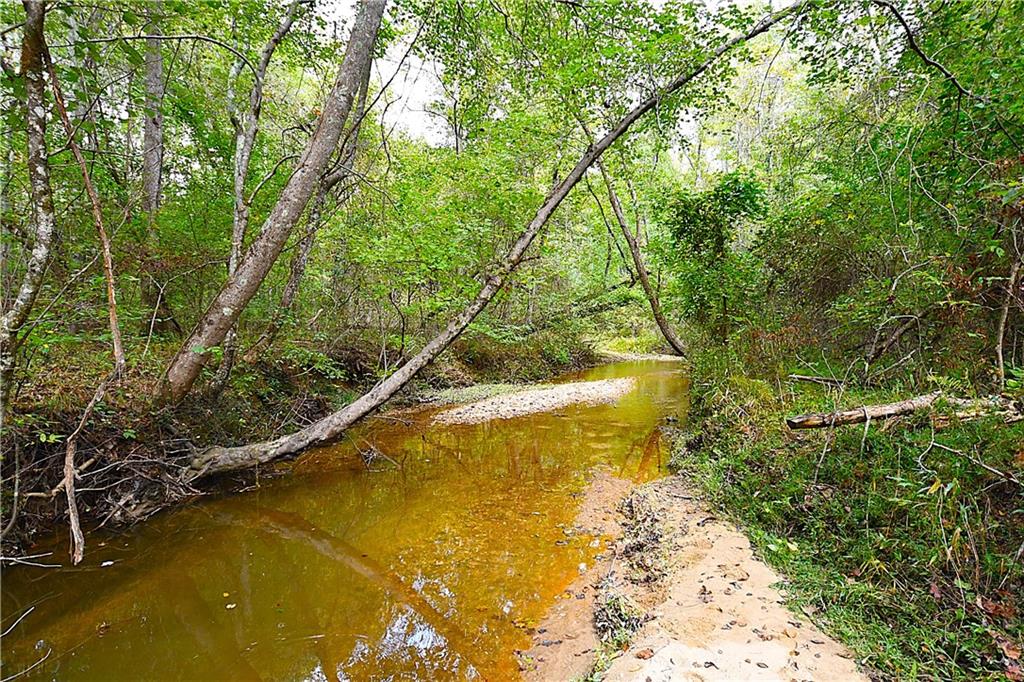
x=641, y=269
x=219, y=459
x=43, y=219
x=240, y=287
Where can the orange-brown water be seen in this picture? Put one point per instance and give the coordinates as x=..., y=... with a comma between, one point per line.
x=433, y=565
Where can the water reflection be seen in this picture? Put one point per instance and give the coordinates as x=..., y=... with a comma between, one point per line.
x=434, y=567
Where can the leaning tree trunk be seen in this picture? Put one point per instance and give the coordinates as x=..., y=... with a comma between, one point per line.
x=300, y=259
x=43, y=217
x=159, y=317
x=240, y=288
x=641, y=270
x=245, y=137
x=219, y=459
x=296, y=271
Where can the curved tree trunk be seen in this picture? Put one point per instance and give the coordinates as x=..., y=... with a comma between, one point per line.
x=43, y=218
x=641, y=270
x=218, y=459
x=253, y=268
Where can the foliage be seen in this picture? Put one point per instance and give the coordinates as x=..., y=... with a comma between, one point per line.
x=901, y=539
x=704, y=223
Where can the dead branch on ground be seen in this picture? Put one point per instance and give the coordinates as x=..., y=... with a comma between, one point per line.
x=964, y=409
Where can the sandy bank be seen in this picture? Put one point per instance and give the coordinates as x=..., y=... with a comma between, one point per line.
x=535, y=400
x=705, y=607
x=615, y=356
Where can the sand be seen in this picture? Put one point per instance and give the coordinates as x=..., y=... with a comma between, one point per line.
x=532, y=401
x=715, y=611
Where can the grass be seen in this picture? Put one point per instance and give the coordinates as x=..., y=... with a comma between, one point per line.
x=617, y=619
x=901, y=539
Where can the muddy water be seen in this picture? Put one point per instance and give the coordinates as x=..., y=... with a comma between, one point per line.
x=430, y=561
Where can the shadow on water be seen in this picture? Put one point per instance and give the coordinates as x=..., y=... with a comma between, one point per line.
x=434, y=560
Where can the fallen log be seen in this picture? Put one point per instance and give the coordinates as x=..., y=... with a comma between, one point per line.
x=860, y=415
x=964, y=409
x=969, y=410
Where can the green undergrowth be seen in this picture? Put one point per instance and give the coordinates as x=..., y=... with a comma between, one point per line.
x=643, y=342
x=903, y=539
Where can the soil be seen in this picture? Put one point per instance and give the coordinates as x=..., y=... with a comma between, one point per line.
x=709, y=609
x=538, y=400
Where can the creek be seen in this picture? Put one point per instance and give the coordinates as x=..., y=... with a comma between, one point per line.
x=413, y=550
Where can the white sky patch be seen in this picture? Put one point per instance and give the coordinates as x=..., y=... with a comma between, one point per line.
x=415, y=85
x=414, y=82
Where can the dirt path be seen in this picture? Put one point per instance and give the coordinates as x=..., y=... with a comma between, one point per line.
x=531, y=401
x=685, y=596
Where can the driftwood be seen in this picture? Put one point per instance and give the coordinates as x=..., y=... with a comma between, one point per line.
x=964, y=409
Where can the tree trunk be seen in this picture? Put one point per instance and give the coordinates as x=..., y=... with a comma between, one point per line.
x=218, y=459
x=97, y=216
x=641, y=270
x=1004, y=311
x=253, y=268
x=159, y=317
x=300, y=259
x=291, y=289
x=43, y=218
x=245, y=138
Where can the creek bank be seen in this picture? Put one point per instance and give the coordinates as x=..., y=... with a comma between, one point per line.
x=903, y=533
x=132, y=458
x=677, y=594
